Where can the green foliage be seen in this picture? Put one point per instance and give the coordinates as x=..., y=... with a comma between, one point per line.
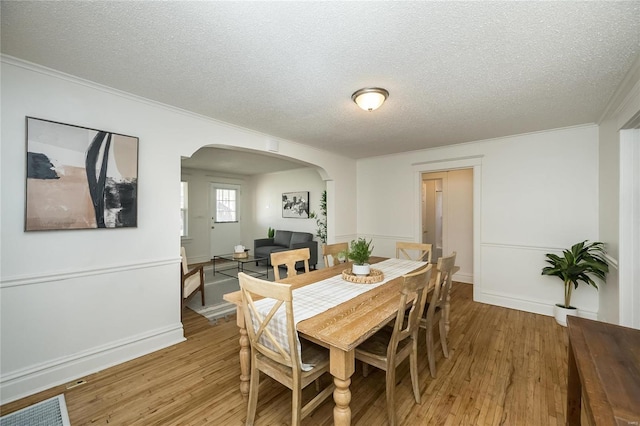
x=576, y=265
x=321, y=220
x=271, y=232
x=360, y=251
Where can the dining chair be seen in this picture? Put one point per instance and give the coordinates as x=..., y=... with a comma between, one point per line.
x=391, y=345
x=331, y=251
x=191, y=280
x=270, y=357
x=289, y=258
x=436, y=308
x=413, y=251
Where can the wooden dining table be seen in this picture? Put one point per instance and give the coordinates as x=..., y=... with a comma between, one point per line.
x=341, y=329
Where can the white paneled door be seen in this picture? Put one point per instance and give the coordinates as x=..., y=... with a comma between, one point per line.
x=225, y=217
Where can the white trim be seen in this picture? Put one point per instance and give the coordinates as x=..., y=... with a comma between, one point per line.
x=629, y=107
x=522, y=247
x=527, y=305
x=344, y=237
x=629, y=229
x=462, y=277
x=613, y=262
x=21, y=280
x=28, y=381
x=623, y=104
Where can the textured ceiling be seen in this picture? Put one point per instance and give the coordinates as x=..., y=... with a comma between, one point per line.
x=456, y=71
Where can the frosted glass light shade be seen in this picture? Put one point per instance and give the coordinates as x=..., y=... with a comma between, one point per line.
x=370, y=98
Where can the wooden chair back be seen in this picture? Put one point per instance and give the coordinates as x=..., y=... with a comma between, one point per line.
x=414, y=289
x=438, y=306
x=330, y=253
x=269, y=354
x=442, y=285
x=260, y=337
x=290, y=258
x=413, y=251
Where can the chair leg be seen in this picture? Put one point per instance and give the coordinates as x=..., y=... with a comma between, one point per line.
x=253, y=393
x=443, y=338
x=430, y=355
x=413, y=366
x=391, y=389
x=365, y=369
x=296, y=403
x=202, y=293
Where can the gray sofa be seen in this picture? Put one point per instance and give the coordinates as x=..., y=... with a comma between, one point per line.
x=287, y=240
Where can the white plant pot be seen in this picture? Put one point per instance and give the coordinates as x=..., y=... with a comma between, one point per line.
x=560, y=313
x=361, y=269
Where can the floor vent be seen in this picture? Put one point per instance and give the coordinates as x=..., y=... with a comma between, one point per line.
x=50, y=412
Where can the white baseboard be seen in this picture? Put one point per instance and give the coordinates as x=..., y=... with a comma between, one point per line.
x=535, y=307
x=463, y=277
x=28, y=381
x=199, y=259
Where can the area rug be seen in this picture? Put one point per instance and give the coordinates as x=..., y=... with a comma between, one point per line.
x=50, y=412
x=215, y=287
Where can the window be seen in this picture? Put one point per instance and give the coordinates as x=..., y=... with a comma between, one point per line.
x=184, y=204
x=226, y=205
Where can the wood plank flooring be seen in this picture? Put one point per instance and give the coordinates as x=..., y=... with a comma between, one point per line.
x=506, y=367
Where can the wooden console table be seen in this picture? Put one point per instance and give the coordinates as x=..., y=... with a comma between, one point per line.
x=604, y=372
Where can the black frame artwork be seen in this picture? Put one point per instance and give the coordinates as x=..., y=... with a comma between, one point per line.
x=79, y=178
x=295, y=205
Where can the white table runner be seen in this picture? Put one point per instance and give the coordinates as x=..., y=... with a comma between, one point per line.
x=319, y=297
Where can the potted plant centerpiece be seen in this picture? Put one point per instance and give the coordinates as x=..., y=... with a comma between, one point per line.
x=574, y=266
x=360, y=252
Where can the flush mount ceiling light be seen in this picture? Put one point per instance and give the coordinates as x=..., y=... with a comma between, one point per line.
x=370, y=98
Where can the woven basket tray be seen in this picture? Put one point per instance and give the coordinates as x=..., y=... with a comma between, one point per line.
x=242, y=255
x=375, y=276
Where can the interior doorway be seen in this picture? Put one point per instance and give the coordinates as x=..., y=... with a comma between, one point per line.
x=432, y=215
x=447, y=212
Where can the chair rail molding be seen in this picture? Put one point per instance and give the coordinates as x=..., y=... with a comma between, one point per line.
x=22, y=280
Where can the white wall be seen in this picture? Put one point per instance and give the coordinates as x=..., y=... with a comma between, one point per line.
x=267, y=208
x=75, y=302
x=616, y=295
x=536, y=193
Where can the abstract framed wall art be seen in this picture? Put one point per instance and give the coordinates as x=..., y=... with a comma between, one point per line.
x=295, y=205
x=79, y=178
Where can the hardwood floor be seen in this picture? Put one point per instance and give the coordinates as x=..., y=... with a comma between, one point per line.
x=506, y=367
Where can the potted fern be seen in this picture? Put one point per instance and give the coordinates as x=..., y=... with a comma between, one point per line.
x=360, y=252
x=576, y=265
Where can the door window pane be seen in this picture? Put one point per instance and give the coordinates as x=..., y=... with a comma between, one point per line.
x=226, y=205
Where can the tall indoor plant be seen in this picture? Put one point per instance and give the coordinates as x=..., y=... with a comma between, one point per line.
x=576, y=265
x=321, y=219
x=360, y=251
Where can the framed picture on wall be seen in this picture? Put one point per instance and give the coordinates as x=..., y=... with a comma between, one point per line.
x=79, y=178
x=295, y=205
